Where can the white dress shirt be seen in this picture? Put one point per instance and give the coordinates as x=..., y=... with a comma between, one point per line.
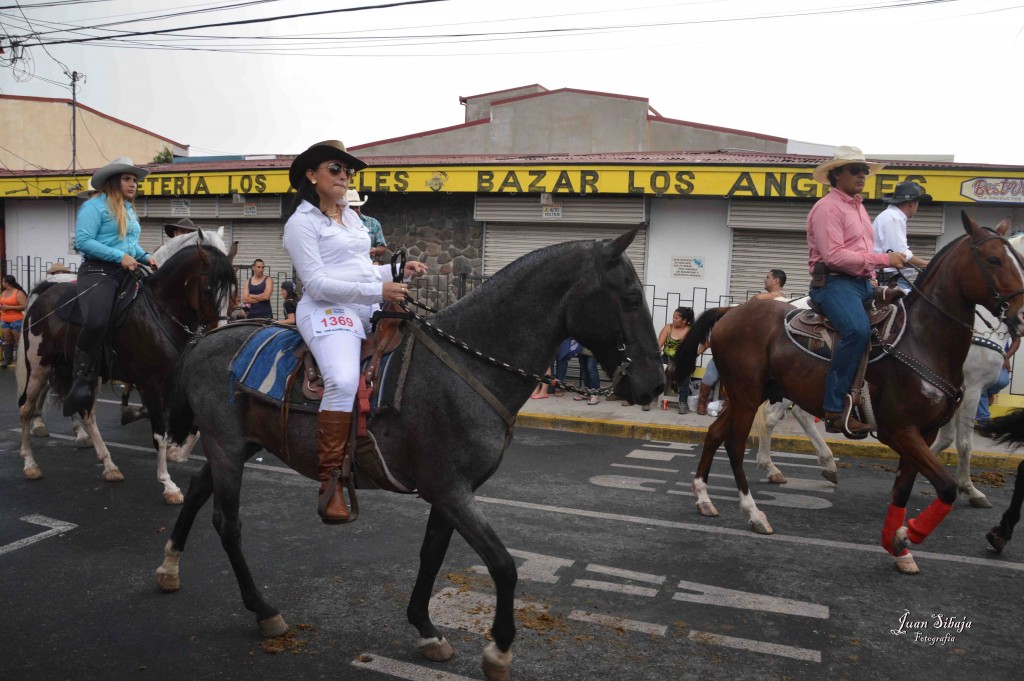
x=890, y=229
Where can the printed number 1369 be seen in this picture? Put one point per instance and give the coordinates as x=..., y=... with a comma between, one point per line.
x=334, y=321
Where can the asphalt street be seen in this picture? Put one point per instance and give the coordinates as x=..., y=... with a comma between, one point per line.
x=619, y=577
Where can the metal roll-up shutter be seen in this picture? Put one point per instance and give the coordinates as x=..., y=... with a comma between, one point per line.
x=262, y=240
x=503, y=243
x=769, y=235
x=516, y=225
x=152, y=236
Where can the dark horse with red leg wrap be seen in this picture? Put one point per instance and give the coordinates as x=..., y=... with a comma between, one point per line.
x=455, y=421
x=913, y=387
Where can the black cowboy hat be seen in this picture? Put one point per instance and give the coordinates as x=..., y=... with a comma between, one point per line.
x=907, y=191
x=329, y=150
x=183, y=223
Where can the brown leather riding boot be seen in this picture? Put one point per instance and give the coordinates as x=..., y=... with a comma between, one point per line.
x=845, y=423
x=332, y=433
x=702, y=401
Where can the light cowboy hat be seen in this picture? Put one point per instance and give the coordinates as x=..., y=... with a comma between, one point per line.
x=844, y=156
x=183, y=223
x=352, y=198
x=907, y=191
x=329, y=150
x=119, y=166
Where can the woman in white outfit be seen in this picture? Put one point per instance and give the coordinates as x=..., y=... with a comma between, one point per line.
x=329, y=247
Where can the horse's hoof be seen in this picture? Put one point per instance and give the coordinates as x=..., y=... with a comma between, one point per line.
x=174, y=498
x=40, y=430
x=83, y=442
x=905, y=564
x=980, y=502
x=113, y=475
x=436, y=650
x=900, y=543
x=167, y=582
x=272, y=627
x=33, y=473
x=777, y=479
x=496, y=665
x=760, y=525
x=830, y=476
x=706, y=509
x=996, y=539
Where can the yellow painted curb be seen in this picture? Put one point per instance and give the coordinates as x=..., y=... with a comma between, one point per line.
x=789, y=443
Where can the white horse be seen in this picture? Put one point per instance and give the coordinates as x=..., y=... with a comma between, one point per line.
x=86, y=430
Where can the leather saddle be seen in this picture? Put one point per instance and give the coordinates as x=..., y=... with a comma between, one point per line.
x=812, y=331
x=305, y=389
x=69, y=310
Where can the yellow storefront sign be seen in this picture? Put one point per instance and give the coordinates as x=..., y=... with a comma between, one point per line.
x=956, y=186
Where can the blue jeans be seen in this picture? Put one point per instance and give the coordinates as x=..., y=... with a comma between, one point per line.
x=588, y=367
x=987, y=393
x=842, y=300
x=710, y=373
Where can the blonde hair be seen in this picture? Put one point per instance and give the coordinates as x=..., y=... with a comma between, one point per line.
x=115, y=203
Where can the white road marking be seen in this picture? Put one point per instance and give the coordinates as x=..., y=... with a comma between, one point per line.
x=729, y=598
x=649, y=455
x=626, y=482
x=404, y=670
x=536, y=566
x=117, y=402
x=628, y=589
x=626, y=574
x=670, y=445
x=747, y=534
x=652, y=469
x=756, y=646
x=618, y=623
x=764, y=497
x=56, y=527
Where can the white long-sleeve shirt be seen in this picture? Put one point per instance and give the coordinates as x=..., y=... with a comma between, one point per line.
x=890, y=229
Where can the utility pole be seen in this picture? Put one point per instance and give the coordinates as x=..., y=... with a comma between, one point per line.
x=75, y=76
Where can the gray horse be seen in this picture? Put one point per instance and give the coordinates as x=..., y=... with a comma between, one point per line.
x=450, y=435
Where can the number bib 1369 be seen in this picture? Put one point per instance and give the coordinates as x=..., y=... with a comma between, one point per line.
x=338, y=318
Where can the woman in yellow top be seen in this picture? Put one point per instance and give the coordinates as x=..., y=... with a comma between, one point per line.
x=668, y=340
x=12, y=312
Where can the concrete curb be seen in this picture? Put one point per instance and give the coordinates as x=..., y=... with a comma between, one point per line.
x=790, y=443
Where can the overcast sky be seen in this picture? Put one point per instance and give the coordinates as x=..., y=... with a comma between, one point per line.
x=890, y=76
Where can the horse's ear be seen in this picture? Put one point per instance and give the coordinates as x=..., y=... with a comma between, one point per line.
x=220, y=232
x=970, y=226
x=615, y=248
x=202, y=235
x=1004, y=225
x=233, y=250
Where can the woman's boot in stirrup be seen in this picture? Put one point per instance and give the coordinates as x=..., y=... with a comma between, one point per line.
x=332, y=434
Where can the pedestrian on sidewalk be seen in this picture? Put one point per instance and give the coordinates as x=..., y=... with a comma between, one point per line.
x=12, y=312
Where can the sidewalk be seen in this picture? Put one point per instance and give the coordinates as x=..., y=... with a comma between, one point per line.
x=618, y=420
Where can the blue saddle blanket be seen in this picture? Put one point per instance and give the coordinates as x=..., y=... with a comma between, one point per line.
x=267, y=360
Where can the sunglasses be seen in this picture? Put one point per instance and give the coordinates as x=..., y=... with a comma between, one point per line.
x=338, y=169
x=858, y=169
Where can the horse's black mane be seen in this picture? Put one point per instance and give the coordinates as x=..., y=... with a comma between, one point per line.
x=936, y=259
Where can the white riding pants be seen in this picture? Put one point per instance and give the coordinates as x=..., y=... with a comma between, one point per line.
x=337, y=355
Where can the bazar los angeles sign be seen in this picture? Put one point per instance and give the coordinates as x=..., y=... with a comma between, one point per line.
x=790, y=182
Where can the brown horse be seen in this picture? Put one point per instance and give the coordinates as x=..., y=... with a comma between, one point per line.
x=914, y=387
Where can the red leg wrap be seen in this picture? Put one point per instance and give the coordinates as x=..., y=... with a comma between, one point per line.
x=893, y=521
x=925, y=523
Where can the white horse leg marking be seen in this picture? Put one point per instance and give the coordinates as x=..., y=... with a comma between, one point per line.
x=179, y=453
x=703, y=503
x=82, y=439
x=35, y=386
x=767, y=417
x=111, y=473
x=167, y=573
x=821, y=448
x=496, y=663
x=172, y=493
x=755, y=517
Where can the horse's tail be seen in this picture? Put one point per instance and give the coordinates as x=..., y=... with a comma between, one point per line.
x=1007, y=429
x=180, y=417
x=687, y=352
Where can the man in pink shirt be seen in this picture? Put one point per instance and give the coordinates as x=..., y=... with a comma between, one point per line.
x=842, y=261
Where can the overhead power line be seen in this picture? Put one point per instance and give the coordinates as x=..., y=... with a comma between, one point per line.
x=240, y=22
